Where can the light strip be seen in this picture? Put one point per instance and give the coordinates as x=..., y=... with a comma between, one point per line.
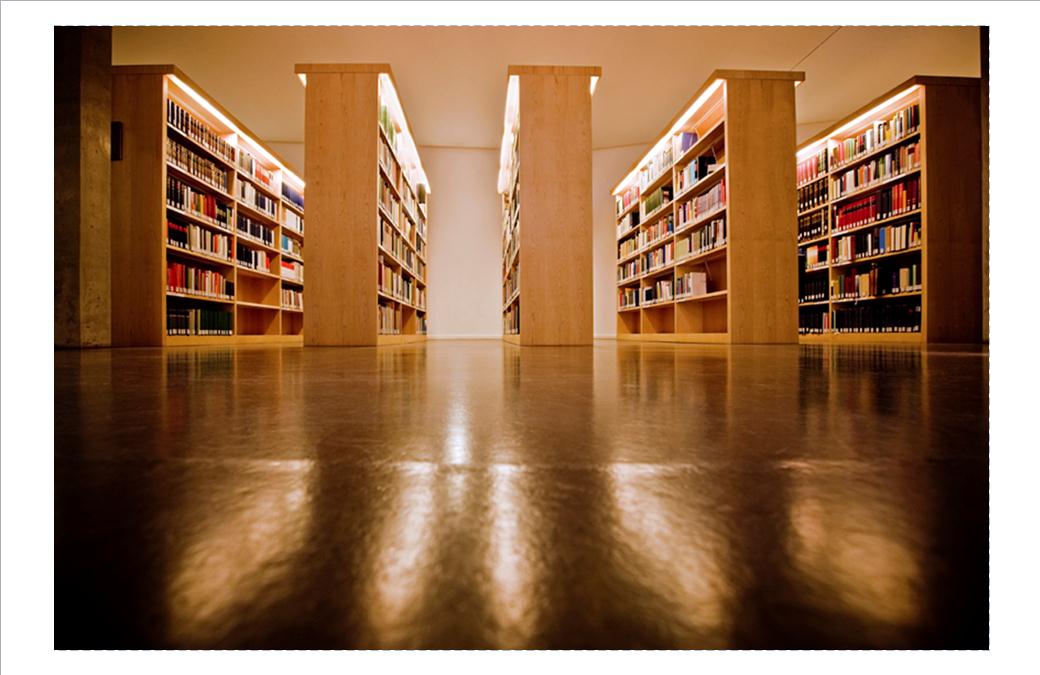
x=667, y=137
x=859, y=120
x=593, y=81
x=211, y=109
x=394, y=104
x=303, y=78
x=505, y=153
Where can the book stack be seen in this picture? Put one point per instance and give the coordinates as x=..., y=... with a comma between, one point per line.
x=660, y=292
x=185, y=198
x=894, y=200
x=198, y=239
x=198, y=131
x=293, y=221
x=691, y=285
x=252, y=197
x=190, y=280
x=254, y=169
x=813, y=225
x=662, y=229
x=812, y=289
x=882, y=132
x=815, y=257
x=897, y=161
x=252, y=229
x=292, y=298
x=629, y=270
x=711, y=236
x=206, y=171
x=656, y=166
x=813, y=168
x=812, y=195
x=814, y=322
x=389, y=319
x=877, y=281
x=628, y=298
x=877, y=241
x=656, y=199
x=292, y=270
x=626, y=199
x=253, y=259
x=658, y=258
x=293, y=196
x=893, y=317
x=192, y=321
x=292, y=246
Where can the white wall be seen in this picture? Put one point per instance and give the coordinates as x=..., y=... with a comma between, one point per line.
x=465, y=255
x=608, y=167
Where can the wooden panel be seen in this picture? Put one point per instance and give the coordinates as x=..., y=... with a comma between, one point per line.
x=556, y=210
x=340, y=154
x=952, y=225
x=763, y=279
x=576, y=71
x=138, y=212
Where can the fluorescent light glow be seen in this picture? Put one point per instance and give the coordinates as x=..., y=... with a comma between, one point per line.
x=408, y=152
x=807, y=150
x=303, y=78
x=667, y=137
x=211, y=109
x=594, y=80
x=505, y=162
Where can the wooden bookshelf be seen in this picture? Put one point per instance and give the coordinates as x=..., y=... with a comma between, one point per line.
x=548, y=232
x=940, y=151
x=723, y=232
x=368, y=210
x=154, y=148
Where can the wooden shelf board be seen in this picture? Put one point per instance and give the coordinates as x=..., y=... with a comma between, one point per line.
x=832, y=171
x=291, y=206
x=880, y=184
x=657, y=213
x=194, y=255
x=295, y=310
x=628, y=209
x=255, y=182
x=658, y=243
x=290, y=256
x=701, y=220
x=200, y=220
x=385, y=340
x=222, y=340
x=814, y=303
x=881, y=256
x=658, y=271
x=256, y=273
x=185, y=139
x=291, y=232
x=819, y=268
x=701, y=185
x=634, y=279
x=628, y=233
x=660, y=304
x=869, y=298
x=806, y=212
x=876, y=223
x=664, y=179
x=198, y=182
x=513, y=339
x=818, y=240
x=716, y=252
x=251, y=211
x=702, y=143
x=513, y=298
x=252, y=242
x=707, y=297
x=702, y=338
x=807, y=183
x=862, y=338
x=294, y=282
x=203, y=298
x=622, y=310
x=256, y=305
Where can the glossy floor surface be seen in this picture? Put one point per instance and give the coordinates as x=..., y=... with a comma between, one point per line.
x=479, y=495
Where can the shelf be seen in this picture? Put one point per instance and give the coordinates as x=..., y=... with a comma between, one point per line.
x=290, y=256
x=386, y=215
x=195, y=255
x=876, y=223
x=703, y=184
x=207, y=340
x=255, y=182
x=631, y=256
x=248, y=271
x=387, y=296
x=291, y=232
x=185, y=139
x=628, y=209
x=634, y=279
x=291, y=206
x=634, y=308
x=296, y=310
x=199, y=219
x=400, y=264
x=252, y=210
x=397, y=160
x=880, y=256
x=204, y=298
x=656, y=213
x=814, y=303
x=184, y=174
x=512, y=338
x=657, y=243
x=868, y=298
x=629, y=232
x=704, y=256
x=807, y=183
x=664, y=179
x=834, y=170
x=702, y=144
x=257, y=305
x=384, y=339
x=695, y=338
x=879, y=184
x=813, y=209
x=819, y=268
x=699, y=221
x=707, y=297
x=816, y=240
x=253, y=242
x=658, y=271
x=657, y=304
x=513, y=298
x=294, y=282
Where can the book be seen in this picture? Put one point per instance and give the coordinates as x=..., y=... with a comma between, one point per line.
x=252, y=197
x=659, y=292
x=197, y=130
x=254, y=259
x=814, y=320
x=890, y=201
x=888, y=165
x=292, y=270
x=662, y=229
x=628, y=298
x=813, y=225
x=292, y=298
x=880, y=133
x=293, y=196
x=812, y=168
x=656, y=166
x=714, y=199
x=812, y=196
x=198, y=166
x=879, y=317
x=709, y=236
x=876, y=280
x=292, y=221
x=192, y=237
x=198, y=321
x=192, y=280
x=656, y=199
x=813, y=288
x=877, y=241
x=186, y=198
x=255, y=230
x=691, y=285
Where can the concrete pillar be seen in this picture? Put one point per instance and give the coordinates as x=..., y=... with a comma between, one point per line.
x=82, y=186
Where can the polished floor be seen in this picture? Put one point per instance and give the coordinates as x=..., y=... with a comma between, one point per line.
x=480, y=495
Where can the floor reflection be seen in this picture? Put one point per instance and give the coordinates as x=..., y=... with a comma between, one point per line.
x=480, y=495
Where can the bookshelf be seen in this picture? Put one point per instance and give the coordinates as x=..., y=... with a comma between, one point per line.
x=547, y=233
x=890, y=219
x=368, y=210
x=200, y=210
x=703, y=219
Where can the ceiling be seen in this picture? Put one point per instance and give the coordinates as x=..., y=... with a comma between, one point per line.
x=452, y=79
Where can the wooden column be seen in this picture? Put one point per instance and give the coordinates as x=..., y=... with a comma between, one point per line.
x=82, y=179
x=340, y=146
x=555, y=154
